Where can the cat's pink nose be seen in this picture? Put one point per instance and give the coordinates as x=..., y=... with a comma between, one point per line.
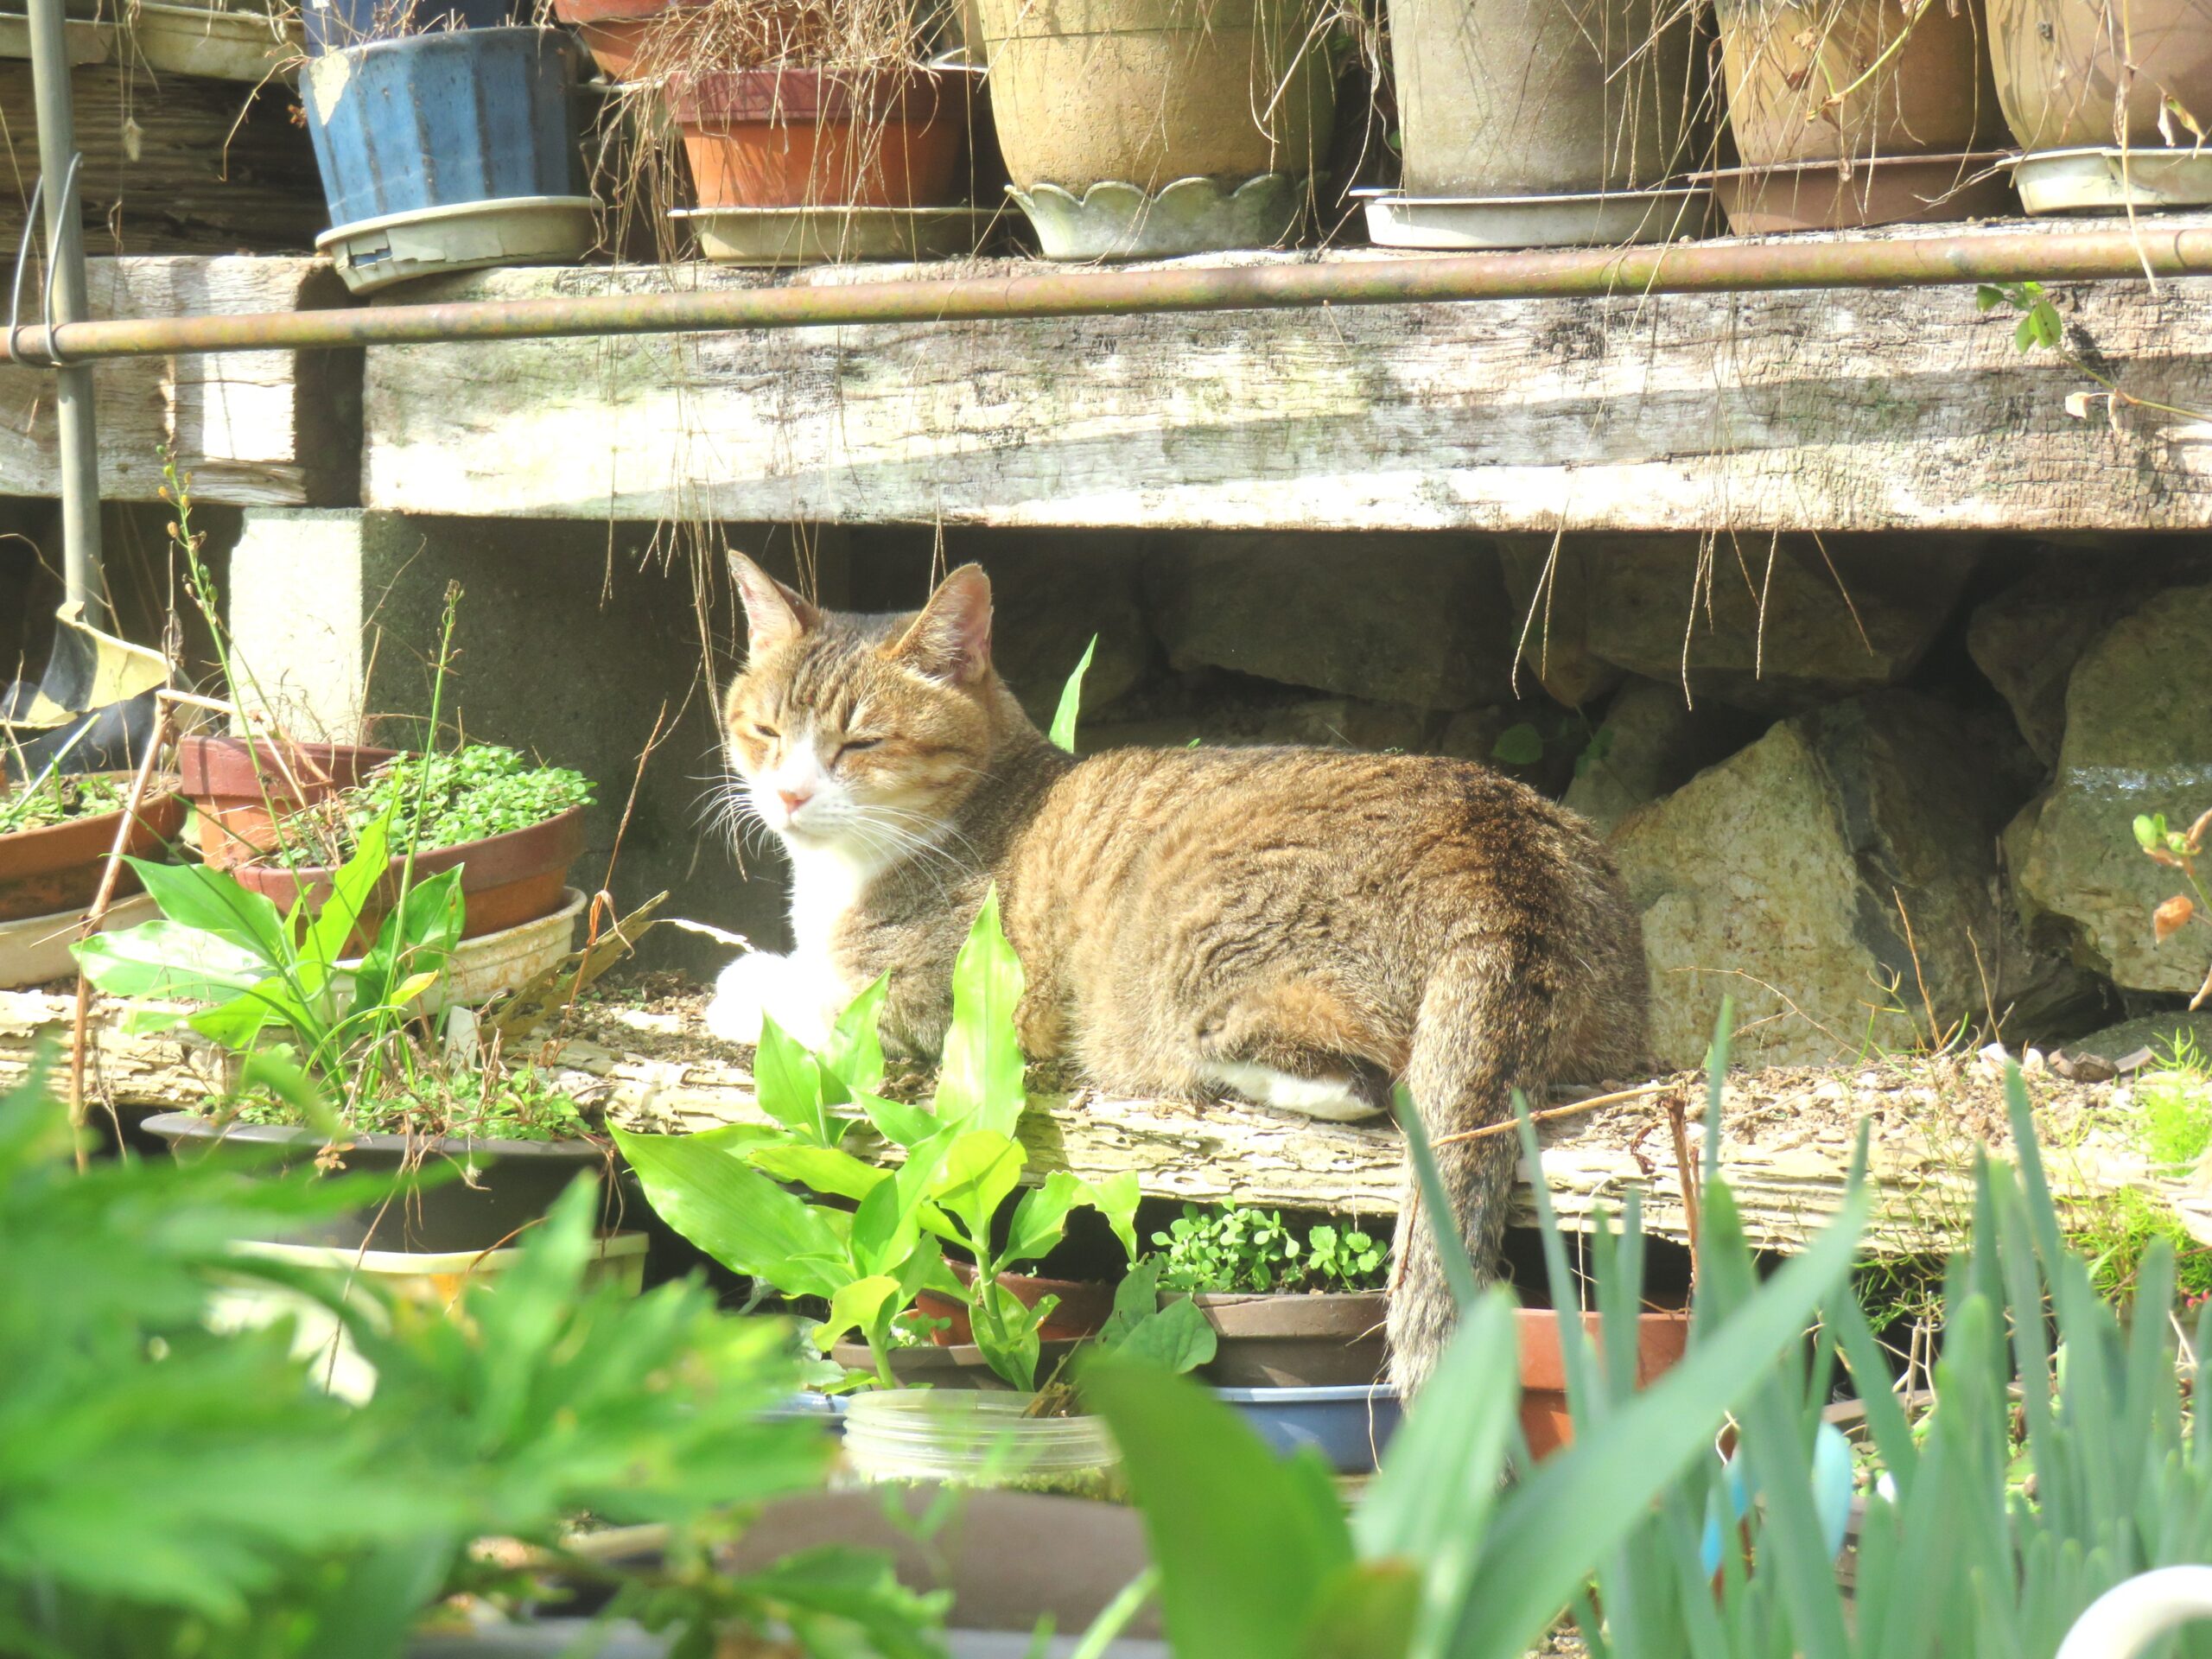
x=793, y=800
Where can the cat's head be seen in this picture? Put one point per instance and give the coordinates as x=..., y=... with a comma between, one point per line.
x=868, y=731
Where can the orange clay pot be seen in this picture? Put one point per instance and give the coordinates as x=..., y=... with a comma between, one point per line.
x=811, y=137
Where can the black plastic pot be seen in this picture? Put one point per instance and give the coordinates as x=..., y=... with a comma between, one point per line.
x=515, y=1182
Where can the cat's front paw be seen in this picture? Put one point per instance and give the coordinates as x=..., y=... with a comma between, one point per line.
x=759, y=985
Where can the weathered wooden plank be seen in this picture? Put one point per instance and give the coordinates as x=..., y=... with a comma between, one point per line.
x=174, y=162
x=1786, y=1146
x=255, y=428
x=1844, y=412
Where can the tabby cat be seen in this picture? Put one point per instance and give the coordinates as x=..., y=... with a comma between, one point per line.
x=1300, y=928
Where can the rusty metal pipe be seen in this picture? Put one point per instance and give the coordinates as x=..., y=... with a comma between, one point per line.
x=2056, y=255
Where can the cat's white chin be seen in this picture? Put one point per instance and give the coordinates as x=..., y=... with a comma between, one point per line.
x=763, y=985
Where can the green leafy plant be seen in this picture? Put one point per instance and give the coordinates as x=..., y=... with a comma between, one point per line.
x=271, y=973
x=1241, y=1249
x=171, y=1484
x=1525, y=744
x=2040, y=327
x=2059, y=1458
x=444, y=799
x=54, y=797
x=2175, y=1098
x=961, y=1164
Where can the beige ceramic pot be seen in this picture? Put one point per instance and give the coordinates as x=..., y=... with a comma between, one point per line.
x=2058, y=69
x=1509, y=98
x=1146, y=92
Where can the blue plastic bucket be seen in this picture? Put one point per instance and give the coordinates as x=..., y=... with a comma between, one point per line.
x=1348, y=1426
x=439, y=120
x=331, y=24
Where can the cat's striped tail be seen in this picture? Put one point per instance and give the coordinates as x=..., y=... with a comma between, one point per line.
x=1487, y=1026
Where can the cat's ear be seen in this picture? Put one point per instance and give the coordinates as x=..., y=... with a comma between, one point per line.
x=951, y=640
x=774, y=614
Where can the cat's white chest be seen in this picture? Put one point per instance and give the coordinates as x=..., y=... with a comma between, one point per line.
x=826, y=884
x=806, y=991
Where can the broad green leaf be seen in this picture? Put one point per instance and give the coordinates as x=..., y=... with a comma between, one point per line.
x=171, y=961
x=787, y=1084
x=1040, y=1219
x=352, y=893
x=1245, y=1542
x=858, y=1303
x=412, y=986
x=1175, y=1338
x=853, y=1057
x=981, y=1167
x=1518, y=746
x=418, y=936
x=713, y=1197
x=897, y=1122
x=1580, y=1504
x=1063, y=718
x=888, y=1228
x=980, y=1082
x=213, y=901
x=824, y=1168
x=1006, y=1330
x=1116, y=1199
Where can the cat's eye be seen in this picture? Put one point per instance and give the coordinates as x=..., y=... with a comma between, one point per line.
x=855, y=745
x=766, y=732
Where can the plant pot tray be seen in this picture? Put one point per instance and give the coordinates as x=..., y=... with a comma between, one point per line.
x=46, y=871
x=819, y=235
x=2113, y=181
x=35, y=950
x=1595, y=220
x=375, y=253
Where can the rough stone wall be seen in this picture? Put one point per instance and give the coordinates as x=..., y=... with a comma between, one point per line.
x=1871, y=787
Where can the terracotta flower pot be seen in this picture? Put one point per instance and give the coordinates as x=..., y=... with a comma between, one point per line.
x=1857, y=112
x=615, y=31
x=808, y=137
x=1659, y=1341
x=1083, y=1306
x=505, y=880
x=233, y=784
x=1309, y=1340
x=43, y=872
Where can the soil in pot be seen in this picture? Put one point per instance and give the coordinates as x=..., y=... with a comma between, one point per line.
x=505, y=880
x=513, y=1183
x=1659, y=1341
x=2060, y=66
x=1838, y=86
x=240, y=788
x=980, y=1439
x=1147, y=91
x=789, y=137
x=1083, y=1310
x=55, y=863
x=1310, y=1340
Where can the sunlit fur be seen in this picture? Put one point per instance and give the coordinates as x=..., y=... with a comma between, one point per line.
x=1300, y=927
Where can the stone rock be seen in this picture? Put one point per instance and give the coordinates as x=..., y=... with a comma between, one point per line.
x=2027, y=639
x=2138, y=741
x=1552, y=617
x=1775, y=877
x=1322, y=722
x=1841, y=614
x=1652, y=741
x=2155, y=1031
x=1418, y=619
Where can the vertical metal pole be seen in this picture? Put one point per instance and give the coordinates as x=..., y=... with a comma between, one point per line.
x=64, y=246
